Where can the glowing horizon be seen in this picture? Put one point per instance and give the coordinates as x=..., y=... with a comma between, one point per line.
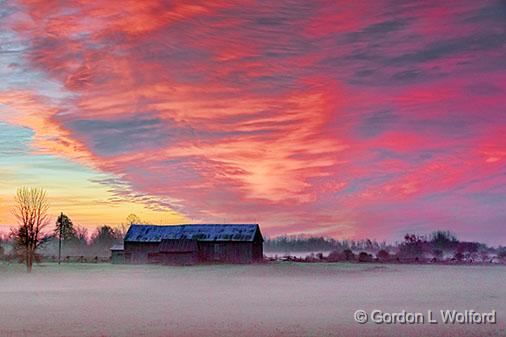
x=351, y=120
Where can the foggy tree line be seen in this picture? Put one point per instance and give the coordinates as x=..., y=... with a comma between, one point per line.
x=444, y=245
x=303, y=243
x=437, y=246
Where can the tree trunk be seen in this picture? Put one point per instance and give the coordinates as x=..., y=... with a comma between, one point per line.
x=29, y=260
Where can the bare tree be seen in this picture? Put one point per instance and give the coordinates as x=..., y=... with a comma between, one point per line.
x=121, y=230
x=133, y=219
x=31, y=206
x=81, y=235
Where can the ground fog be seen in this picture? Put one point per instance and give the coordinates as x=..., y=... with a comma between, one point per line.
x=277, y=299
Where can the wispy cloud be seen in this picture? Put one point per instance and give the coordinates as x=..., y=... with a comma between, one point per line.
x=343, y=119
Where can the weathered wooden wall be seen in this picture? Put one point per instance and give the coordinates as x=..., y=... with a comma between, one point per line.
x=226, y=252
x=208, y=252
x=137, y=252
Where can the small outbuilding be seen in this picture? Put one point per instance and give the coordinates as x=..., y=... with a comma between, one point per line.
x=191, y=244
x=117, y=254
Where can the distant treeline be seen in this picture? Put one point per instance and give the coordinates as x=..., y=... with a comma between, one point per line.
x=303, y=243
x=437, y=246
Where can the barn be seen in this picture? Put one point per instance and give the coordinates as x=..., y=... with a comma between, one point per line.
x=192, y=244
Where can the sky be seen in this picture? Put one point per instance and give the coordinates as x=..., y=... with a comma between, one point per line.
x=348, y=119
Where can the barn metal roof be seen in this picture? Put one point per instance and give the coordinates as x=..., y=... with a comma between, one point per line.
x=204, y=232
x=178, y=246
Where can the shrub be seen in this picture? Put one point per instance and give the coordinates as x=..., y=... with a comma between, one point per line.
x=364, y=257
x=310, y=258
x=383, y=255
x=334, y=256
x=348, y=255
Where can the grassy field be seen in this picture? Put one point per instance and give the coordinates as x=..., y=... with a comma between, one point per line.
x=278, y=299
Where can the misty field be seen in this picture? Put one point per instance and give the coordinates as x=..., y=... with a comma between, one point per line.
x=278, y=299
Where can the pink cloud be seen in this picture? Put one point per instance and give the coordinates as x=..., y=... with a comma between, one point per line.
x=305, y=117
